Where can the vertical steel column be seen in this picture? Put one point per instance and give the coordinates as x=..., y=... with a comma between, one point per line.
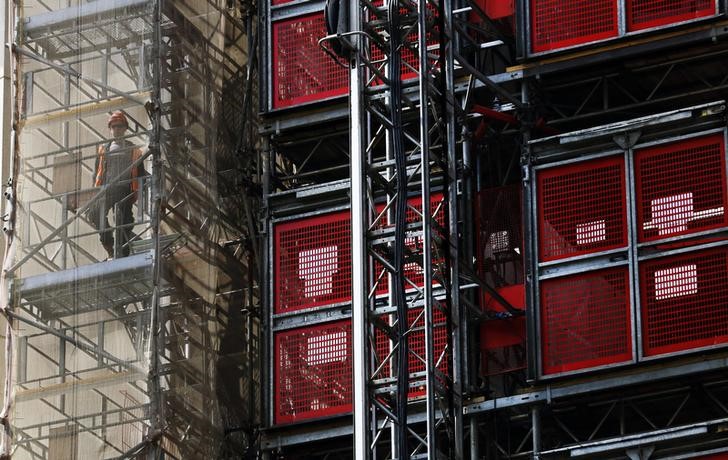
x=474, y=446
x=359, y=227
x=424, y=99
x=455, y=323
x=8, y=179
x=157, y=182
x=387, y=117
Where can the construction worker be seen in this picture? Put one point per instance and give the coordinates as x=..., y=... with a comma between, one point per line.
x=113, y=161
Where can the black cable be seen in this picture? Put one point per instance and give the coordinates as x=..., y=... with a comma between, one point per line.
x=400, y=222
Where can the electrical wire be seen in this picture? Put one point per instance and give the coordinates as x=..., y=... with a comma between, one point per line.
x=400, y=223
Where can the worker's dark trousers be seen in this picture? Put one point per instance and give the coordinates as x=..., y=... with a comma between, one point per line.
x=123, y=217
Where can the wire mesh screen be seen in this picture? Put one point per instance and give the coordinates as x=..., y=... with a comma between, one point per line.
x=312, y=264
x=128, y=308
x=499, y=235
x=413, y=270
x=416, y=344
x=559, y=24
x=581, y=208
x=684, y=301
x=644, y=14
x=302, y=71
x=681, y=187
x=313, y=372
x=585, y=320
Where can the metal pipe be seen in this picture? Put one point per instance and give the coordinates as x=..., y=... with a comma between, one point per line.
x=358, y=245
x=456, y=323
x=155, y=342
x=536, y=433
x=474, y=446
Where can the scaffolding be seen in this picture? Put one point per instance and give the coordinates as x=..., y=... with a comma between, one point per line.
x=556, y=338
x=147, y=344
x=489, y=229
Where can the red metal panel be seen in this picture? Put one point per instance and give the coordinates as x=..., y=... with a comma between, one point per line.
x=499, y=236
x=557, y=24
x=681, y=187
x=499, y=9
x=581, y=208
x=279, y=2
x=644, y=14
x=302, y=72
x=412, y=270
x=585, y=320
x=503, y=340
x=312, y=264
x=313, y=372
x=416, y=343
x=502, y=345
x=684, y=301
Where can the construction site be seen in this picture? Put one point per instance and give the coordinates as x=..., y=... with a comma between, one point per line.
x=370, y=229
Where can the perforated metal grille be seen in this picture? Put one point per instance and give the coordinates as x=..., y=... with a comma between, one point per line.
x=413, y=270
x=585, y=320
x=312, y=262
x=581, y=208
x=643, y=14
x=684, y=301
x=313, y=372
x=558, y=24
x=681, y=187
x=500, y=239
x=302, y=72
x=416, y=344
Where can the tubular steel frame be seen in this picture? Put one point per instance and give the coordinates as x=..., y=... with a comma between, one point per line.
x=418, y=134
x=607, y=95
x=139, y=295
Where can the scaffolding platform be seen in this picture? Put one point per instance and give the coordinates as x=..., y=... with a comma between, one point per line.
x=100, y=286
x=58, y=31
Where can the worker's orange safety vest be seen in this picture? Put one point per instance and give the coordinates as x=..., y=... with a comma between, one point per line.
x=136, y=153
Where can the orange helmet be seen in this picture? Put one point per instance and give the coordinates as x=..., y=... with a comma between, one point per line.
x=118, y=117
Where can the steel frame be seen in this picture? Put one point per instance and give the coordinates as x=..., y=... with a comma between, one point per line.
x=75, y=301
x=631, y=253
x=605, y=95
x=416, y=135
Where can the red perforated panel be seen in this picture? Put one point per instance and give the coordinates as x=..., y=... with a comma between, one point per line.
x=581, y=208
x=312, y=262
x=558, y=24
x=499, y=236
x=413, y=271
x=643, y=14
x=313, y=373
x=585, y=320
x=302, y=72
x=681, y=187
x=684, y=301
x=416, y=343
